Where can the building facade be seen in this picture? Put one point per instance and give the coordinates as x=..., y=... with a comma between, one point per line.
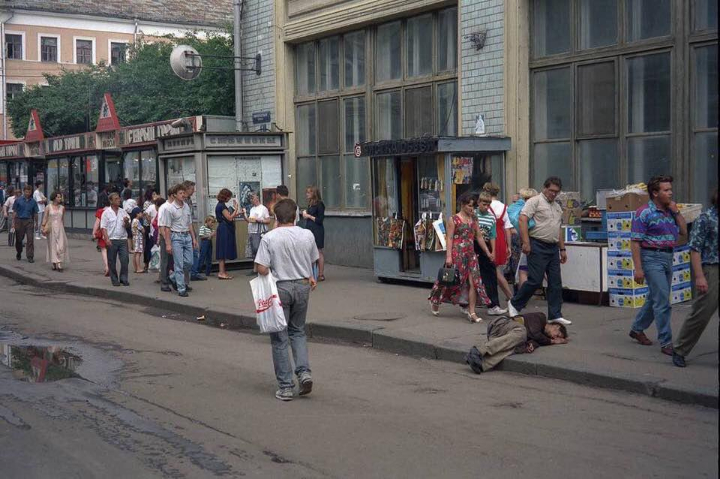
x=45, y=36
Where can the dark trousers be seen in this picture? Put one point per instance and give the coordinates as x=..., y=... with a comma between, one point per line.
x=23, y=228
x=166, y=262
x=115, y=249
x=544, y=258
x=489, y=278
x=203, y=261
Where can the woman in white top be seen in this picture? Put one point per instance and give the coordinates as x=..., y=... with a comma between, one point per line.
x=128, y=205
x=504, y=237
x=258, y=221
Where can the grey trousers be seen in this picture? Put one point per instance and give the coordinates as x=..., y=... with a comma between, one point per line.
x=702, y=310
x=504, y=336
x=166, y=261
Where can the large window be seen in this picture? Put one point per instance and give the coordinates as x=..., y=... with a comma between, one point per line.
x=14, y=89
x=13, y=46
x=118, y=52
x=411, y=92
x=610, y=83
x=49, y=49
x=84, y=51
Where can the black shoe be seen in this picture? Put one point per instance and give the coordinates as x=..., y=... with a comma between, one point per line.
x=184, y=294
x=678, y=360
x=474, y=359
x=198, y=278
x=188, y=288
x=30, y=260
x=116, y=284
x=126, y=283
x=174, y=285
x=166, y=289
x=18, y=256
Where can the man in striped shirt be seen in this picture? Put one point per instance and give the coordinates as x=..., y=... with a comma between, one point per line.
x=487, y=223
x=655, y=232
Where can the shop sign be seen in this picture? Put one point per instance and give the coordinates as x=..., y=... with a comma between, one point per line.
x=10, y=150
x=178, y=143
x=244, y=140
x=69, y=143
x=150, y=133
x=261, y=117
x=397, y=147
x=108, y=139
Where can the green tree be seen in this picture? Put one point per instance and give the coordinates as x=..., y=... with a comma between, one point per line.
x=144, y=89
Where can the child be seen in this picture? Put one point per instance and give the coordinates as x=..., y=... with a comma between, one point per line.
x=487, y=223
x=518, y=335
x=137, y=239
x=206, y=235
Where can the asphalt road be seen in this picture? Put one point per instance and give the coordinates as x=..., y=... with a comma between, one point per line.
x=166, y=397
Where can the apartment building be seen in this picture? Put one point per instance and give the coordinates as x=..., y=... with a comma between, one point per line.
x=46, y=36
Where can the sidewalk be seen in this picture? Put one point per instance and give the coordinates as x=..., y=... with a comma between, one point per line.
x=353, y=306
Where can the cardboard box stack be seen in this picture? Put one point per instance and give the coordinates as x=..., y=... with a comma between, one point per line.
x=624, y=291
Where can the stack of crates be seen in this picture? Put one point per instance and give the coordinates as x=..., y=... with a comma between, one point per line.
x=624, y=291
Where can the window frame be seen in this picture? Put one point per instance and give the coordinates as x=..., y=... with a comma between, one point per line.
x=110, y=42
x=59, y=47
x=93, y=43
x=369, y=90
x=13, y=82
x=23, y=44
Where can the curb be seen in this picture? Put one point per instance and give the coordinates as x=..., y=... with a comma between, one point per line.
x=397, y=342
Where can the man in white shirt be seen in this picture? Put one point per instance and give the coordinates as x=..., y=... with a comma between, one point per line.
x=181, y=240
x=114, y=222
x=289, y=252
x=258, y=221
x=166, y=258
x=40, y=199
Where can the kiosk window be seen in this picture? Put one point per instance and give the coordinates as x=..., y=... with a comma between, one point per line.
x=92, y=180
x=64, y=178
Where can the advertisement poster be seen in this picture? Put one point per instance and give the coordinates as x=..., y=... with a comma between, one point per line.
x=245, y=188
x=462, y=168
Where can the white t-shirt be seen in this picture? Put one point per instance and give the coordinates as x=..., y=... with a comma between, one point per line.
x=163, y=216
x=179, y=217
x=259, y=212
x=114, y=223
x=38, y=197
x=497, y=207
x=9, y=204
x=289, y=251
x=129, y=205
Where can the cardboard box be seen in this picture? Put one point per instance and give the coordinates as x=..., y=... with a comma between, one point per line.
x=570, y=202
x=619, y=242
x=626, y=202
x=681, y=274
x=623, y=279
x=627, y=298
x=620, y=261
x=681, y=255
x=619, y=222
x=680, y=293
x=572, y=233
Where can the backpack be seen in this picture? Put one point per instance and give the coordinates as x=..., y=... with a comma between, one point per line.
x=513, y=212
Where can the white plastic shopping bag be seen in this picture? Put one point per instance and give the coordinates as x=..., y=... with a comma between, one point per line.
x=268, y=308
x=154, y=258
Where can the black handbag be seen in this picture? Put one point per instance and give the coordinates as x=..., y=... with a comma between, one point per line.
x=448, y=276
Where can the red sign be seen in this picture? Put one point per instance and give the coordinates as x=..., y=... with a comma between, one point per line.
x=34, y=131
x=358, y=150
x=108, y=119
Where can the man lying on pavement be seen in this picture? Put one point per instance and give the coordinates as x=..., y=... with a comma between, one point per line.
x=520, y=334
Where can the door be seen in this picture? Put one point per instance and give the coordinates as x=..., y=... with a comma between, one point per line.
x=408, y=209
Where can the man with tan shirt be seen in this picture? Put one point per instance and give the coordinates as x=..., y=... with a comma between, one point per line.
x=544, y=246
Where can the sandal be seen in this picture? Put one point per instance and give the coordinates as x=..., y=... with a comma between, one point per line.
x=434, y=309
x=321, y=278
x=473, y=318
x=225, y=277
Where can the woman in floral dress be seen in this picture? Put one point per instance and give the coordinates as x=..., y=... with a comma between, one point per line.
x=462, y=230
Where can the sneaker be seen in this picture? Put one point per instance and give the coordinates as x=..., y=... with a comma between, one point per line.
x=512, y=312
x=678, y=360
x=284, y=394
x=496, y=311
x=305, y=383
x=563, y=321
x=37, y=237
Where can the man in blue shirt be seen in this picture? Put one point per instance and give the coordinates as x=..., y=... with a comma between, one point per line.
x=26, y=213
x=704, y=258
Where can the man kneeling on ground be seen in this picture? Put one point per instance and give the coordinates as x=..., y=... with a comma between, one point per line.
x=521, y=334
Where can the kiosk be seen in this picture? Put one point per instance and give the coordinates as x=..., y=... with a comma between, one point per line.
x=415, y=183
x=219, y=157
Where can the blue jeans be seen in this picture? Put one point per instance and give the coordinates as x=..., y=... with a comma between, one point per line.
x=657, y=267
x=183, y=256
x=203, y=261
x=294, y=296
x=194, y=271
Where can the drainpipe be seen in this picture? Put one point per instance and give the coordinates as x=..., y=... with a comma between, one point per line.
x=3, y=68
x=135, y=33
x=237, y=51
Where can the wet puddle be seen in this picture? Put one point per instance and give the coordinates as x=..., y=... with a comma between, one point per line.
x=39, y=364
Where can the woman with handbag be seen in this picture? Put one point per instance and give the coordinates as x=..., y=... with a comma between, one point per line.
x=53, y=227
x=462, y=232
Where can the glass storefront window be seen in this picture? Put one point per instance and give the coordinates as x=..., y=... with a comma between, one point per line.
x=598, y=23
x=389, y=126
x=4, y=174
x=131, y=166
x=113, y=174
x=354, y=59
x=388, y=65
x=596, y=99
x=706, y=87
x=705, y=169
x=354, y=122
x=306, y=127
x=385, y=202
x=446, y=109
x=357, y=181
x=552, y=159
x=64, y=178
x=305, y=68
x=551, y=20
x=148, y=169
x=331, y=181
x=78, y=196
x=648, y=93
x=706, y=15
x=92, y=180
x=447, y=40
x=648, y=157
x=552, y=111
x=646, y=19
x=431, y=175
x=329, y=63
x=418, y=112
x=51, y=181
x=599, y=166
x=328, y=135
x=306, y=176
x=419, y=45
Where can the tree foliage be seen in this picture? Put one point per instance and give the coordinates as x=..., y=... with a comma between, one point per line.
x=144, y=89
